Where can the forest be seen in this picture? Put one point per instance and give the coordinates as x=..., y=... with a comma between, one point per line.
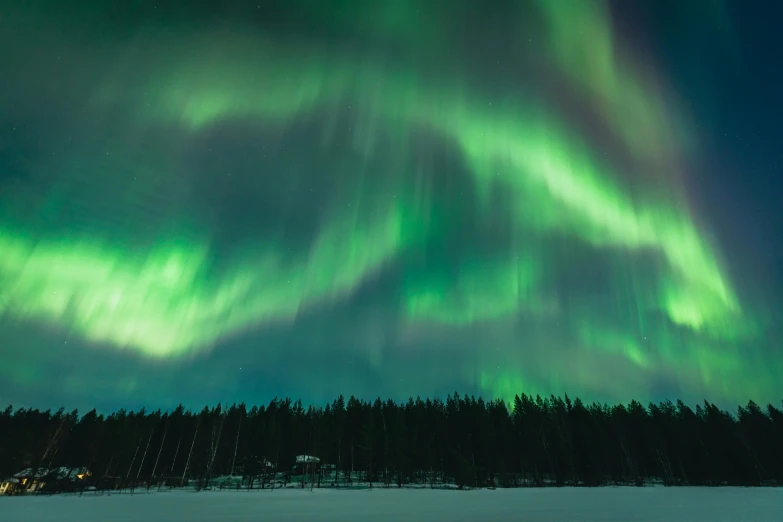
x=462, y=441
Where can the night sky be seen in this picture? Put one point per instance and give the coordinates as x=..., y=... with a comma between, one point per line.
x=205, y=202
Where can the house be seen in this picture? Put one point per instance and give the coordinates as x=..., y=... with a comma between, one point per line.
x=306, y=464
x=307, y=459
x=31, y=481
x=8, y=486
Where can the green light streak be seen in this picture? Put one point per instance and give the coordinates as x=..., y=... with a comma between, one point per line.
x=482, y=291
x=172, y=300
x=529, y=154
x=548, y=169
x=614, y=342
x=181, y=296
x=580, y=40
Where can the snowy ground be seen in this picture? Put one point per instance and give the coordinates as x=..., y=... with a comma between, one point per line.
x=382, y=505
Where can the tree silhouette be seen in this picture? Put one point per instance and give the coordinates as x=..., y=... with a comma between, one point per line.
x=465, y=441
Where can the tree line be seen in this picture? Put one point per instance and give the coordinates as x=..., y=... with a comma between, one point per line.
x=469, y=442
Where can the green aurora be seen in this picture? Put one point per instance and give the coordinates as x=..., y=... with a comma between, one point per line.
x=471, y=204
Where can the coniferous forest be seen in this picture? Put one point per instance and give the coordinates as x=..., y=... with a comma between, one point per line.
x=462, y=441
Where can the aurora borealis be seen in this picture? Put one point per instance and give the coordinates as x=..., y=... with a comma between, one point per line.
x=380, y=198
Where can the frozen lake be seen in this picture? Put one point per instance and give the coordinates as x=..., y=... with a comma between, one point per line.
x=381, y=505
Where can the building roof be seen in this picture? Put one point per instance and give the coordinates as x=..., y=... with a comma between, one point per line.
x=61, y=472
x=306, y=459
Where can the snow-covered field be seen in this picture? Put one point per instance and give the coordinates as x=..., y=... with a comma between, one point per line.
x=386, y=505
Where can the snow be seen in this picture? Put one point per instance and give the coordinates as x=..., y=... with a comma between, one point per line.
x=386, y=505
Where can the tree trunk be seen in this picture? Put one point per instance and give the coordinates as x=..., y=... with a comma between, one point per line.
x=339, y=457
x=155, y=467
x=190, y=453
x=213, y=448
x=147, y=447
x=132, y=462
x=277, y=458
x=236, y=445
